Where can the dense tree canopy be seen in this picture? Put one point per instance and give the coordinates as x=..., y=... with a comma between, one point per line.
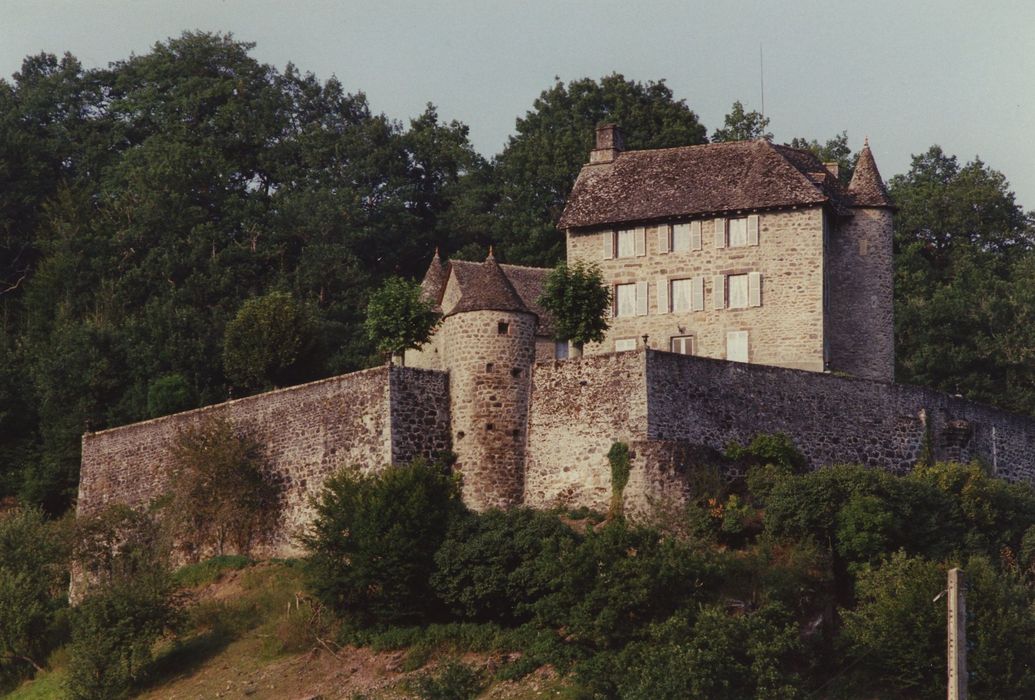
x=743, y=126
x=537, y=168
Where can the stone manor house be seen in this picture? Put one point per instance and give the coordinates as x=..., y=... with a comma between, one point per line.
x=752, y=292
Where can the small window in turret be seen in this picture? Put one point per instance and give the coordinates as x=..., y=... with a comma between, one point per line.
x=489, y=367
x=490, y=426
x=503, y=328
x=516, y=372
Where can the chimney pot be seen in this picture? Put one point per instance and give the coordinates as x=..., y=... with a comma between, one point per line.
x=834, y=169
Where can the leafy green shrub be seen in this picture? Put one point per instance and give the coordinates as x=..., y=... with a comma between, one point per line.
x=455, y=681
x=222, y=495
x=896, y=631
x=129, y=603
x=33, y=588
x=372, y=543
x=578, y=299
x=399, y=318
x=270, y=342
x=711, y=654
x=776, y=449
x=616, y=580
x=169, y=393
x=492, y=566
x=210, y=570
x=618, y=456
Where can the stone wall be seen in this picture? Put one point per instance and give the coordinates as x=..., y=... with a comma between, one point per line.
x=308, y=432
x=579, y=408
x=786, y=330
x=860, y=277
x=490, y=355
x=832, y=419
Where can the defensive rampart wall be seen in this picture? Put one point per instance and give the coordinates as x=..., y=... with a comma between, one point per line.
x=369, y=418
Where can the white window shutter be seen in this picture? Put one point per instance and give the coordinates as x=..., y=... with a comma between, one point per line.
x=641, y=241
x=754, y=289
x=641, y=298
x=663, y=307
x=753, y=229
x=719, y=292
x=609, y=245
x=695, y=235
x=720, y=233
x=697, y=294
x=663, y=238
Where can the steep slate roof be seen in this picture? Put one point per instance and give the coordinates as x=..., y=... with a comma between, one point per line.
x=485, y=287
x=435, y=281
x=481, y=291
x=867, y=188
x=666, y=183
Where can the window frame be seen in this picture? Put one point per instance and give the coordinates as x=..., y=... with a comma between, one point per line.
x=618, y=305
x=684, y=338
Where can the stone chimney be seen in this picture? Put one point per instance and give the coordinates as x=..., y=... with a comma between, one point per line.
x=834, y=169
x=610, y=143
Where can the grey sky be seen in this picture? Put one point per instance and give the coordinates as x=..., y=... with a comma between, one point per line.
x=906, y=73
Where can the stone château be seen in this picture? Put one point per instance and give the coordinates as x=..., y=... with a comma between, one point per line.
x=752, y=293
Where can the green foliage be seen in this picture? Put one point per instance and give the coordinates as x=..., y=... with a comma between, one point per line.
x=743, y=126
x=495, y=565
x=371, y=546
x=270, y=342
x=776, y=449
x=963, y=271
x=577, y=298
x=399, y=317
x=897, y=631
x=835, y=150
x=209, y=570
x=222, y=496
x=129, y=602
x=536, y=170
x=169, y=393
x=618, y=456
x=33, y=589
x=455, y=681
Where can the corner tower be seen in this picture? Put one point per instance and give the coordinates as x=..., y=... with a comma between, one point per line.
x=489, y=345
x=861, y=279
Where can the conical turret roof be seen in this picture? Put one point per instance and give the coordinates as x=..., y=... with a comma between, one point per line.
x=486, y=288
x=867, y=188
x=434, y=281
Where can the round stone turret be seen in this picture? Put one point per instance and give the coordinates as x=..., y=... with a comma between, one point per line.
x=489, y=346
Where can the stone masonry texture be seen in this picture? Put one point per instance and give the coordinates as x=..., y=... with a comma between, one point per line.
x=786, y=330
x=369, y=418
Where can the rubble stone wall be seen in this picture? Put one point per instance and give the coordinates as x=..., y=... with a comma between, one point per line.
x=308, y=432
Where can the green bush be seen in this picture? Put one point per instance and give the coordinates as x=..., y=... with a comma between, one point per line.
x=618, y=578
x=495, y=565
x=372, y=543
x=272, y=341
x=129, y=602
x=33, y=589
x=455, y=681
x=169, y=393
x=897, y=631
x=221, y=493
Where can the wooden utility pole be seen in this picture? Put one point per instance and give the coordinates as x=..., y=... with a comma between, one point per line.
x=957, y=638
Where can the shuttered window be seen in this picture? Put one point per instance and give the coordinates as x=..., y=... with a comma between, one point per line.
x=718, y=292
x=681, y=294
x=738, y=291
x=737, y=346
x=626, y=243
x=695, y=235
x=680, y=238
x=665, y=235
x=609, y=244
x=738, y=232
x=697, y=294
x=662, y=287
x=683, y=344
x=720, y=233
x=640, y=241
x=754, y=289
x=641, y=298
x=625, y=300
x=753, y=229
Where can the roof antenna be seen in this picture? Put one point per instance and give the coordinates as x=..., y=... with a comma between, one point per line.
x=761, y=77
